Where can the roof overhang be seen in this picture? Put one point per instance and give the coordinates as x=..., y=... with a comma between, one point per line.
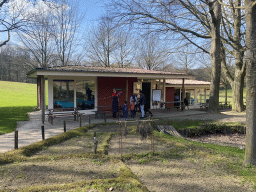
x=74, y=73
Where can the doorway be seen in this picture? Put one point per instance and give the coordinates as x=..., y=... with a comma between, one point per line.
x=146, y=89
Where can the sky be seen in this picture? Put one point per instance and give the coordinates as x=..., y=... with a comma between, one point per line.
x=93, y=10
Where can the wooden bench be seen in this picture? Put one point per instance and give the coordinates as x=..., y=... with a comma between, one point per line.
x=225, y=105
x=62, y=112
x=204, y=106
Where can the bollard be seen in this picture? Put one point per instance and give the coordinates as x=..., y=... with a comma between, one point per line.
x=42, y=129
x=95, y=142
x=64, y=122
x=80, y=120
x=16, y=140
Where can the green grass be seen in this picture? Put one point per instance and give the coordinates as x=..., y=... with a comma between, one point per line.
x=182, y=124
x=17, y=99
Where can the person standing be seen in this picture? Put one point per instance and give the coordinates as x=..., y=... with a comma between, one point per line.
x=142, y=104
x=135, y=99
x=186, y=102
x=125, y=110
x=115, y=103
x=132, y=109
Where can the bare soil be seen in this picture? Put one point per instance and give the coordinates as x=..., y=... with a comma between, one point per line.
x=50, y=172
x=183, y=175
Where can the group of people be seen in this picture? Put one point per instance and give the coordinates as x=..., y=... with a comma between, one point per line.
x=135, y=105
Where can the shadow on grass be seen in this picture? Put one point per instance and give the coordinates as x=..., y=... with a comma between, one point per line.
x=10, y=115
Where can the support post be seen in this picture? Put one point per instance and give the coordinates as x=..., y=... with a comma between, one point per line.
x=16, y=140
x=127, y=90
x=42, y=96
x=65, y=127
x=183, y=94
x=95, y=142
x=164, y=87
x=42, y=129
x=80, y=120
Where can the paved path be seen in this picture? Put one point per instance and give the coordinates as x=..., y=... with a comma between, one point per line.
x=30, y=131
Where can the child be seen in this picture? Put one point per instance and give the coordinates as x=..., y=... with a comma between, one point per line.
x=132, y=108
x=125, y=110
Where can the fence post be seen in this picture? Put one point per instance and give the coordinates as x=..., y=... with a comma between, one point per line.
x=95, y=142
x=42, y=129
x=16, y=140
x=64, y=122
x=80, y=120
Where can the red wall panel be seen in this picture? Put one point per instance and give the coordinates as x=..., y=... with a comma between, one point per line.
x=169, y=96
x=106, y=86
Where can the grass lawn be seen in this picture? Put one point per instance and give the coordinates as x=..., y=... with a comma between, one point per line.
x=182, y=160
x=16, y=100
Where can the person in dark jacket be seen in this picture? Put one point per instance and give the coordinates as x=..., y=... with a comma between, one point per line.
x=186, y=103
x=142, y=104
x=115, y=107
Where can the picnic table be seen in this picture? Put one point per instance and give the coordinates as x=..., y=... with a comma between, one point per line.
x=224, y=105
x=62, y=112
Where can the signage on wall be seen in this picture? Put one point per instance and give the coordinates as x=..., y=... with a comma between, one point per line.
x=156, y=95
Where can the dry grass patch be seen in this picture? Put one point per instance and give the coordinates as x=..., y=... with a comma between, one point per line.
x=25, y=174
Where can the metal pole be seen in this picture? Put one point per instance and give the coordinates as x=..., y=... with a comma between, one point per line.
x=42, y=129
x=16, y=140
x=89, y=119
x=95, y=142
x=80, y=120
x=64, y=122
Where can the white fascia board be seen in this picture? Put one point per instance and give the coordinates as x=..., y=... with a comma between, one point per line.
x=190, y=86
x=100, y=74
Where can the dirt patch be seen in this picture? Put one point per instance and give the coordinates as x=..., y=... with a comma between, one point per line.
x=132, y=144
x=183, y=175
x=82, y=144
x=114, y=127
x=233, y=140
x=27, y=174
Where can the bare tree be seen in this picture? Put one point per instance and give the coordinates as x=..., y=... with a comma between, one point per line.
x=13, y=16
x=13, y=63
x=152, y=52
x=124, y=52
x=102, y=42
x=185, y=19
x=184, y=58
x=38, y=37
x=67, y=21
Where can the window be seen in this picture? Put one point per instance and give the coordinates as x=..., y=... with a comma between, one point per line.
x=85, y=92
x=63, y=93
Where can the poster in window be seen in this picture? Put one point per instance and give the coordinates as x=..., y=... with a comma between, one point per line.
x=157, y=95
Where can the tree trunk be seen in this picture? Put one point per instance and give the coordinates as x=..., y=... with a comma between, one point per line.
x=238, y=84
x=250, y=39
x=215, y=10
x=237, y=88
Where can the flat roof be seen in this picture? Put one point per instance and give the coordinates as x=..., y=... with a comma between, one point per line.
x=187, y=82
x=105, y=71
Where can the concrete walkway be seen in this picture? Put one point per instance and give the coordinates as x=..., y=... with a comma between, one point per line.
x=30, y=131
